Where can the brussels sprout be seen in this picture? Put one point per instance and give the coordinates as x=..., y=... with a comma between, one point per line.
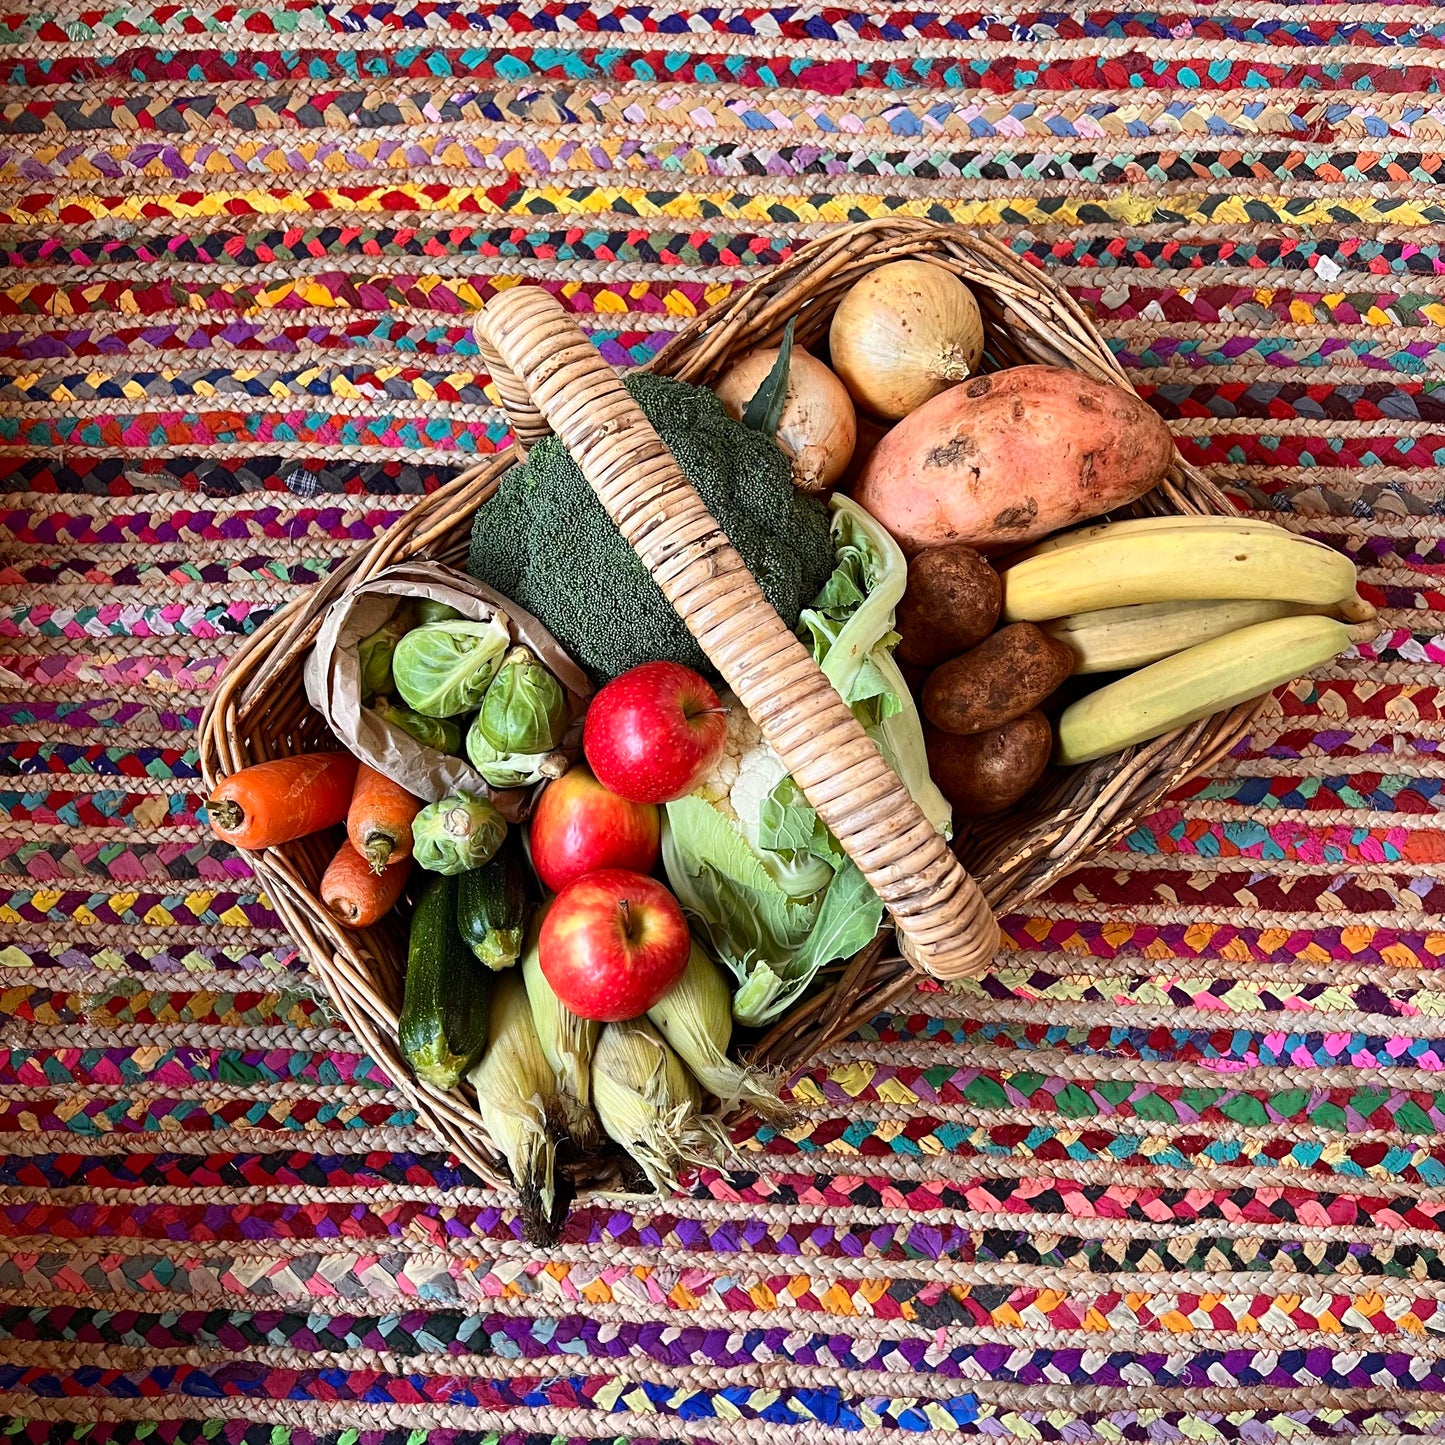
x=374, y=653
x=444, y=668
x=433, y=732
x=525, y=709
x=510, y=770
x=429, y=610
x=456, y=834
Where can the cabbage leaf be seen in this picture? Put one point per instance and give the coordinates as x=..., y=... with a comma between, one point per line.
x=752, y=863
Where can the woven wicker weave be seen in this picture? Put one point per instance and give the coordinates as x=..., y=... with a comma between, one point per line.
x=549, y=376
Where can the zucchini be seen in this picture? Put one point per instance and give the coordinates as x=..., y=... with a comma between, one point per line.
x=492, y=906
x=443, y=1024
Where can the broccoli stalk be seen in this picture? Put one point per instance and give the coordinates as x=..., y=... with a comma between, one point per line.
x=545, y=541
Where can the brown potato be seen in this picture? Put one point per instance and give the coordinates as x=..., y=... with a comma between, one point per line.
x=1007, y=675
x=989, y=771
x=952, y=604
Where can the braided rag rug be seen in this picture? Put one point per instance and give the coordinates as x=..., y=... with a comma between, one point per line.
x=1176, y=1171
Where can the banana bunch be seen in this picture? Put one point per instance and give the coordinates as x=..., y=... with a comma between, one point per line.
x=1211, y=611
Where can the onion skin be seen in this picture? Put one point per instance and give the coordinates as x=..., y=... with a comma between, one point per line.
x=818, y=429
x=904, y=333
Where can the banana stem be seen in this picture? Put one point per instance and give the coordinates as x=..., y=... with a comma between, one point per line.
x=1355, y=608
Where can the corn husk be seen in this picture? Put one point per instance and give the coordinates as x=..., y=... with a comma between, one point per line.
x=696, y=1019
x=517, y=1099
x=648, y=1103
x=566, y=1040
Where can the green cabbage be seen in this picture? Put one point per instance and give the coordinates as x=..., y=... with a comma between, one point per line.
x=525, y=709
x=510, y=770
x=374, y=653
x=443, y=669
x=749, y=859
x=430, y=610
x=431, y=732
x=457, y=834
x=849, y=628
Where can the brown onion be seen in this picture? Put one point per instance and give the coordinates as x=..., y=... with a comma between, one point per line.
x=904, y=333
x=818, y=427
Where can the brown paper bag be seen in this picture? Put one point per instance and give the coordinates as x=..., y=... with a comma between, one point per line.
x=333, y=682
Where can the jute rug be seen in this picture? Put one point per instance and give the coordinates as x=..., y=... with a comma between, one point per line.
x=1176, y=1170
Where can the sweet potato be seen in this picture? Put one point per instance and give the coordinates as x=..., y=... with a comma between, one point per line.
x=987, y=772
x=952, y=604
x=1012, y=456
x=1002, y=678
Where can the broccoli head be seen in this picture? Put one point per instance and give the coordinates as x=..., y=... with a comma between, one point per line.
x=545, y=541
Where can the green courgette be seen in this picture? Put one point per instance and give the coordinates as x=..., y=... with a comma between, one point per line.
x=443, y=1025
x=492, y=906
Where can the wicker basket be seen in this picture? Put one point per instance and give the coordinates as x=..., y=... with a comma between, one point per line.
x=549, y=377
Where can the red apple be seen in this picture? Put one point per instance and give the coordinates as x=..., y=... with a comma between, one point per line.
x=654, y=733
x=579, y=827
x=612, y=944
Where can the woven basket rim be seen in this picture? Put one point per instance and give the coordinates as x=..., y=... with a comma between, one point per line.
x=254, y=713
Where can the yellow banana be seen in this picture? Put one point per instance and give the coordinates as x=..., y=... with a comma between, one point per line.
x=1201, y=680
x=1115, y=638
x=1131, y=526
x=1178, y=564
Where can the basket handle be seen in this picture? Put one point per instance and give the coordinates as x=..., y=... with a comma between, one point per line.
x=944, y=922
x=529, y=426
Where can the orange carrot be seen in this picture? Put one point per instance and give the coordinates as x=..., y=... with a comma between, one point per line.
x=357, y=894
x=287, y=798
x=378, y=822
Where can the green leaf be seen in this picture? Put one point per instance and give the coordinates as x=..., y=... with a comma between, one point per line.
x=848, y=919
x=869, y=686
x=765, y=410
x=788, y=825
x=787, y=820
x=826, y=846
x=846, y=588
x=849, y=631
x=761, y=996
x=723, y=884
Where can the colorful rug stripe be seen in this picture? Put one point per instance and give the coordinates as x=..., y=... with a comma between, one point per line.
x=1173, y=1171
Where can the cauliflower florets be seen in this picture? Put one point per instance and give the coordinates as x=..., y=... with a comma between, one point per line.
x=743, y=737
x=739, y=784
